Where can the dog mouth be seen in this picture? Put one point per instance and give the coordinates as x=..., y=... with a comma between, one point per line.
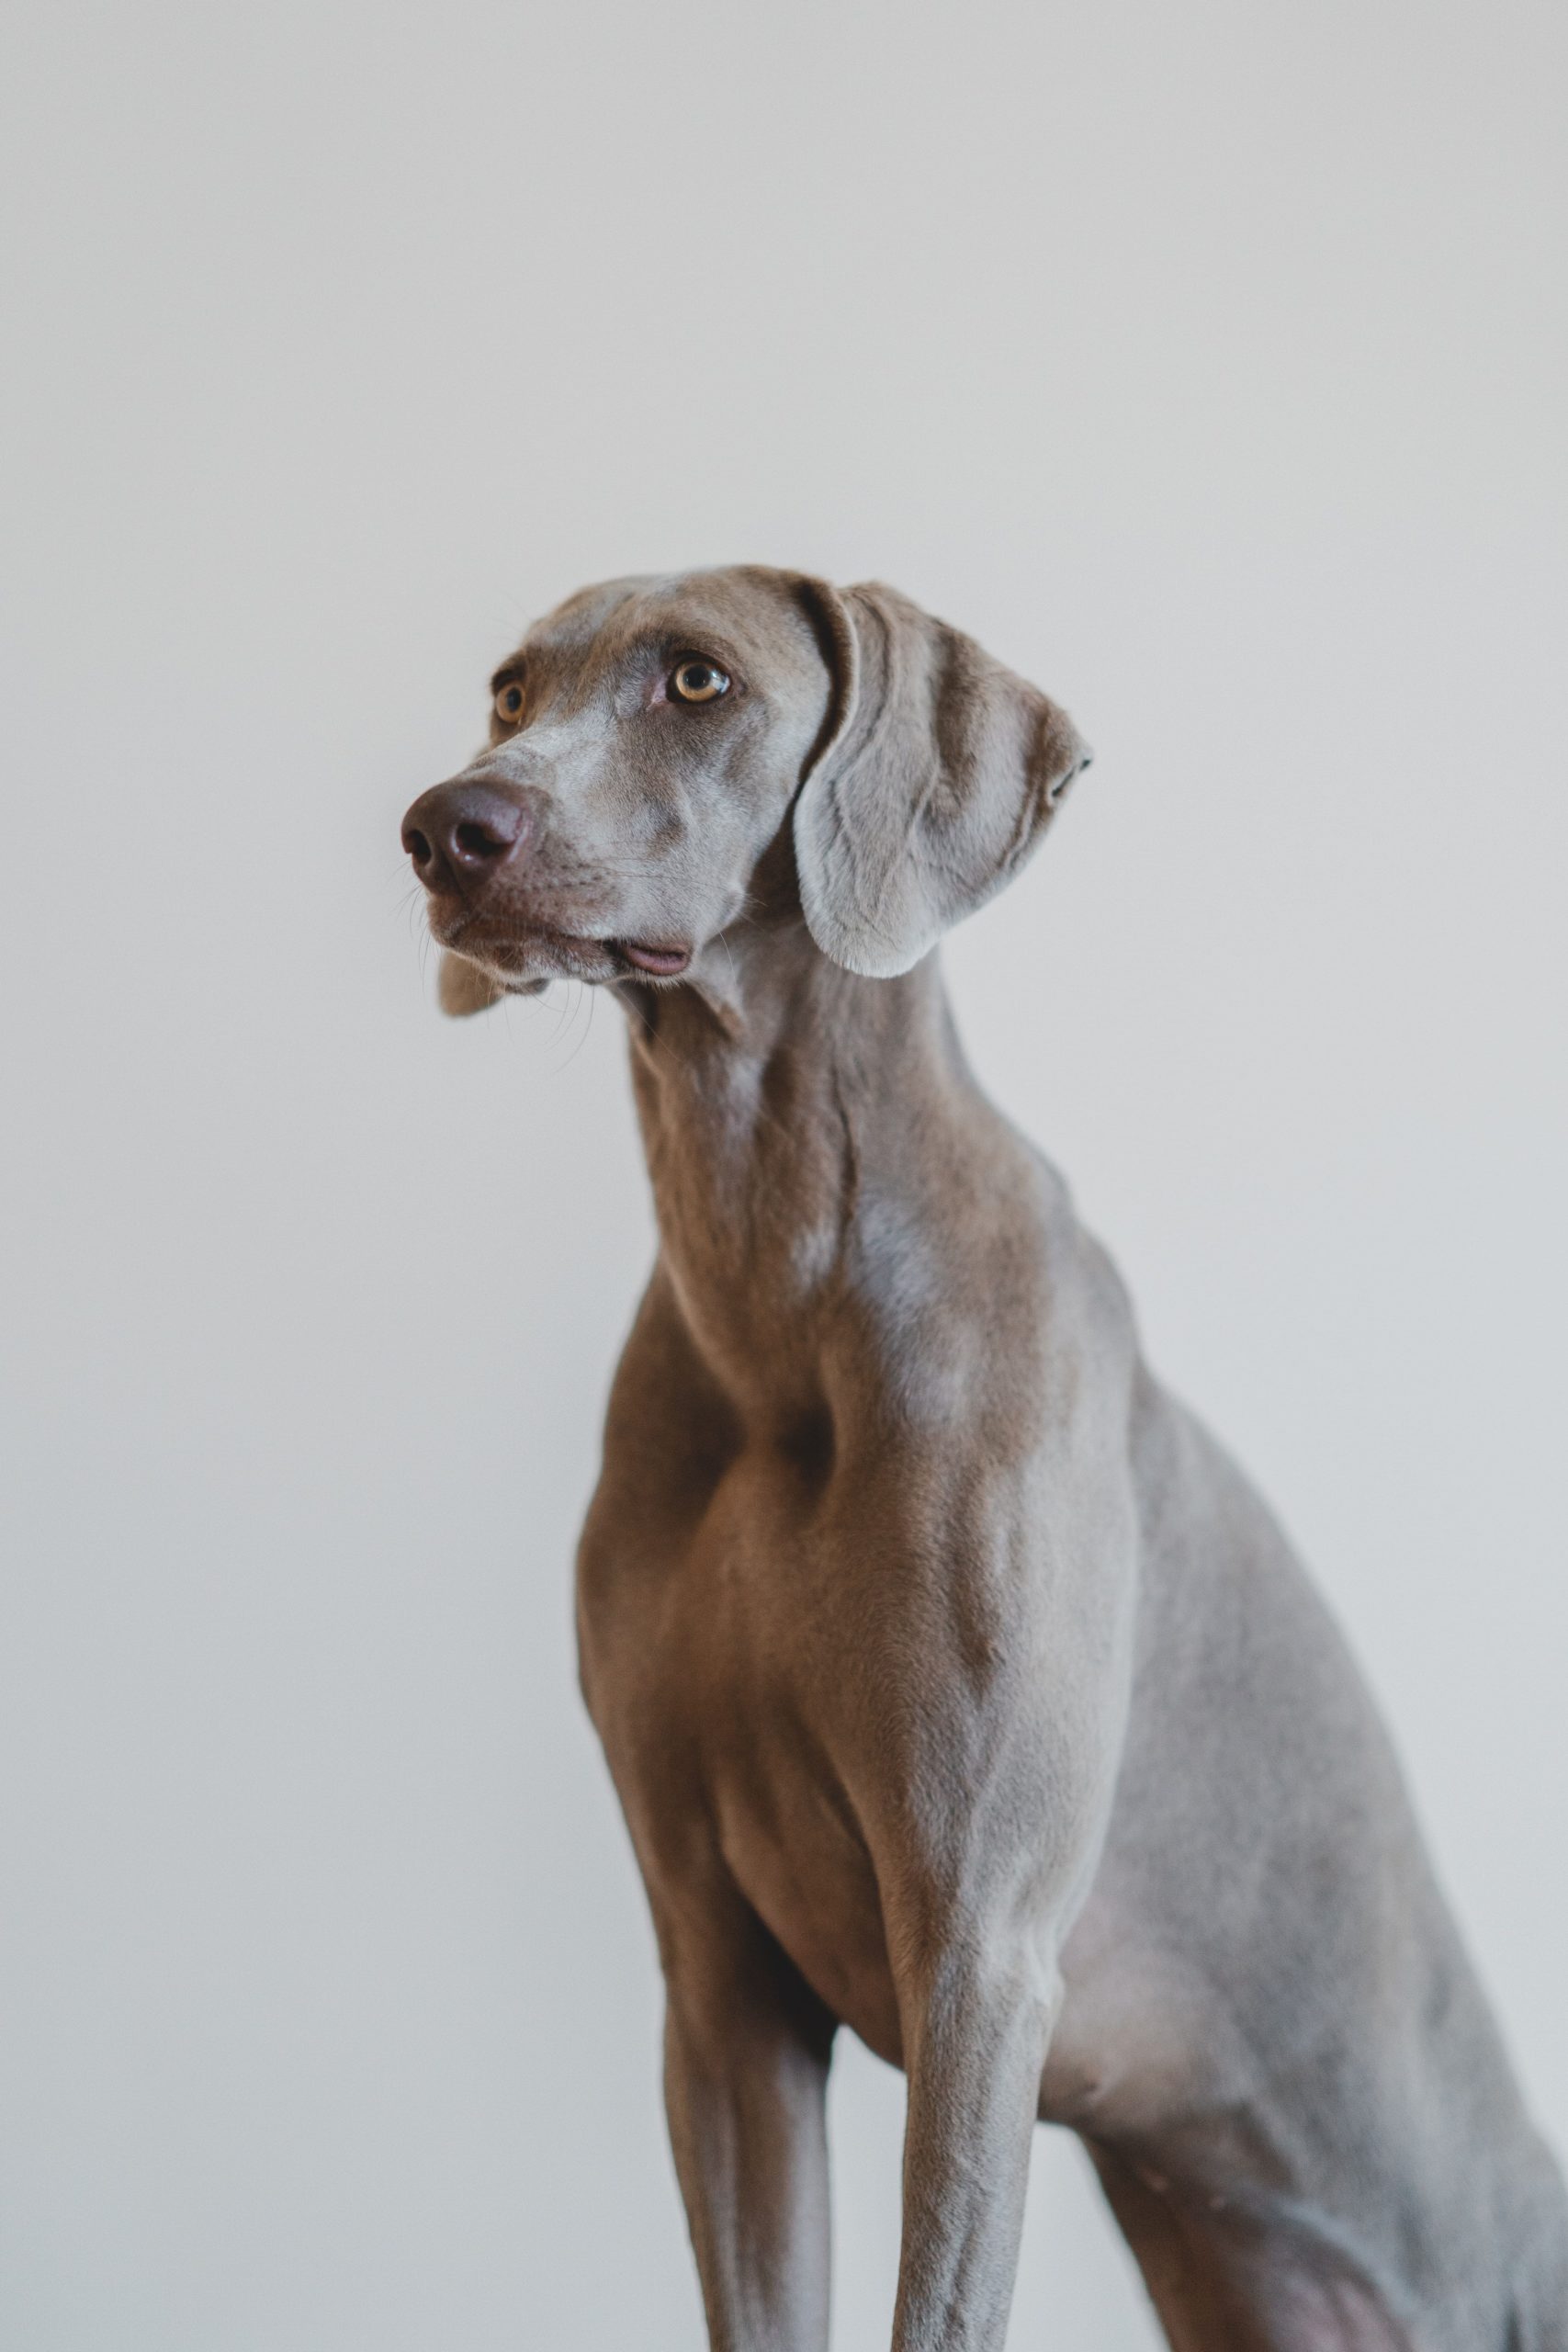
x=526, y=953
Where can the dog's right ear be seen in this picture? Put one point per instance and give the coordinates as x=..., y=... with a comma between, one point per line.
x=461, y=988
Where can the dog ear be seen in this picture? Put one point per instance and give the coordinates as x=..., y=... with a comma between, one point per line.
x=939, y=772
x=462, y=988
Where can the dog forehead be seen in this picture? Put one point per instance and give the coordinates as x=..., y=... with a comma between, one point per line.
x=742, y=606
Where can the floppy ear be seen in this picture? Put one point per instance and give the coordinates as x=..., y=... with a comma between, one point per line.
x=462, y=988
x=940, y=771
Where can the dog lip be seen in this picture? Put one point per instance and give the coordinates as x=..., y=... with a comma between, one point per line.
x=663, y=963
x=472, y=934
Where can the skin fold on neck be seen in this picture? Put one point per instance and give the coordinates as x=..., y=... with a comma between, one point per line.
x=780, y=1099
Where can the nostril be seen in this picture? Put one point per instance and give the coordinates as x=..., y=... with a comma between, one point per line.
x=479, y=842
x=459, y=835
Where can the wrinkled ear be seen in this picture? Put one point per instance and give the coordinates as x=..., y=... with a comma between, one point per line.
x=939, y=772
x=462, y=988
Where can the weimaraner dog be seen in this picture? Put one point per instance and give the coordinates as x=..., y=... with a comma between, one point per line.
x=956, y=1686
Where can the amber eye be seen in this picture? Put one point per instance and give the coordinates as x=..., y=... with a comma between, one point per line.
x=697, y=679
x=508, y=700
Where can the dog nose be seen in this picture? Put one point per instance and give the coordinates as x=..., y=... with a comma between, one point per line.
x=457, y=832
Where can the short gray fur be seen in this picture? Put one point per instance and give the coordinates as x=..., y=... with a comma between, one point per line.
x=956, y=1685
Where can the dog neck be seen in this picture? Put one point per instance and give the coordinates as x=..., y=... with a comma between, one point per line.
x=799, y=1122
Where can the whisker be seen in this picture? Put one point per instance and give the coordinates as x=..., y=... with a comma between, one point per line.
x=587, y=1028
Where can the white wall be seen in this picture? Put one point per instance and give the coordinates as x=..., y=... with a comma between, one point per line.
x=1208, y=364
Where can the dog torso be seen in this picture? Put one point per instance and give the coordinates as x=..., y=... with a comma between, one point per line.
x=907, y=1590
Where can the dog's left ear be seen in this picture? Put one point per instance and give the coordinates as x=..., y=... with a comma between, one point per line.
x=940, y=771
x=462, y=988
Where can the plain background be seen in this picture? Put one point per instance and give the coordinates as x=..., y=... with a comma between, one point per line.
x=1209, y=364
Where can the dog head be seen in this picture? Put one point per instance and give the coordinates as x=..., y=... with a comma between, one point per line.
x=669, y=754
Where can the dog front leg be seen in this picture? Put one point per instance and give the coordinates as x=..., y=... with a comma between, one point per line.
x=746, y=2054
x=975, y=2030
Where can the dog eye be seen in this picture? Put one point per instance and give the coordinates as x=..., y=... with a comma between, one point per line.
x=509, y=703
x=696, y=680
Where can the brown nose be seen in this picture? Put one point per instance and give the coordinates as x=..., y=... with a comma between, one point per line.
x=458, y=833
